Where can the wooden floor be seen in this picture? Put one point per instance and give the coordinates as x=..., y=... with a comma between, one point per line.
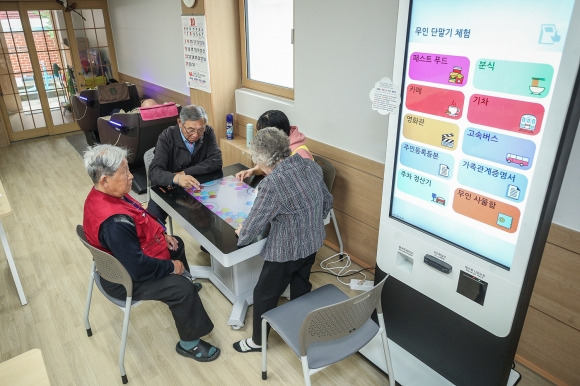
x=47, y=184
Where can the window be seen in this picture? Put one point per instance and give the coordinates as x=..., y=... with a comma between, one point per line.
x=267, y=50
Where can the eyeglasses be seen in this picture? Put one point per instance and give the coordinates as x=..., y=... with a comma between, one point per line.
x=191, y=130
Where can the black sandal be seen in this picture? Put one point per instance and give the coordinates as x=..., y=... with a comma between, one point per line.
x=243, y=347
x=200, y=352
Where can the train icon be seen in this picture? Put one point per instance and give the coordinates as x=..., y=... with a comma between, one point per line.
x=528, y=122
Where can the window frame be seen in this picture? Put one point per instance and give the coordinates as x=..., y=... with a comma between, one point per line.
x=268, y=88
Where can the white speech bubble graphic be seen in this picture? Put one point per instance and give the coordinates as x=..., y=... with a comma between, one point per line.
x=385, y=97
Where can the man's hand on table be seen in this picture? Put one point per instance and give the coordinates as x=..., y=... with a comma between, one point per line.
x=185, y=181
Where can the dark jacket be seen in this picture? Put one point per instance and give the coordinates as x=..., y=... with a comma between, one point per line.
x=172, y=156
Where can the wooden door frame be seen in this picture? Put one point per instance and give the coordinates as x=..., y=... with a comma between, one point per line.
x=22, y=7
x=93, y=4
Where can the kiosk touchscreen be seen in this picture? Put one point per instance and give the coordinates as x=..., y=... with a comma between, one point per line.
x=486, y=120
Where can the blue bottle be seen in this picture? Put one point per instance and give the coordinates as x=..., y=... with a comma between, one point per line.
x=229, y=126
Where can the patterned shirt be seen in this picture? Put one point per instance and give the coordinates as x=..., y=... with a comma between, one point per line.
x=293, y=202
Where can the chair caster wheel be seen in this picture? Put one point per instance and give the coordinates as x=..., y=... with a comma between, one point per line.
x=237, y=326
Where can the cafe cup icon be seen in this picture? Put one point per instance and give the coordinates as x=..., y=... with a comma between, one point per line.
x=452, y=111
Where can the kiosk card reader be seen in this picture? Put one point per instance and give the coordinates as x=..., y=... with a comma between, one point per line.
x=437, y=264
x=475, y=159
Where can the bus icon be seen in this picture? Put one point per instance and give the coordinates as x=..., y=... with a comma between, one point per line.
x=517, y=159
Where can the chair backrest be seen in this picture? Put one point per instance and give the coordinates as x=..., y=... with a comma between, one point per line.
x=147, y=159
x=137, y=135
x=107, y=266
x=127, y=105
x=88, y=111
x=328, y=171
x=340, y=319
x=85, y=111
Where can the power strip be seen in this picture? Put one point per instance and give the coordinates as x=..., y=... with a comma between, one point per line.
x=361, y=285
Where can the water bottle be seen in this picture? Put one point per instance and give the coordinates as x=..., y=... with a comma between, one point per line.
x=229, y=126
x=249, y=133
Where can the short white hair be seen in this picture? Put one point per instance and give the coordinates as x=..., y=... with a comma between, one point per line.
x=103, y=160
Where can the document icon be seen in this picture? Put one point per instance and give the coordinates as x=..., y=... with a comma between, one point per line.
x=513, y=192
x=443, y=170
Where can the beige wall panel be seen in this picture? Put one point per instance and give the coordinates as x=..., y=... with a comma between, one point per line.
x=197, y=9
x=240, y=122
x=365, y=165
x=357, y=194
x=203, y=99
x=359, y=239
x=565, y=237
x=550, y=348
x=223, y=39
x=235, y=151
x=557, y=287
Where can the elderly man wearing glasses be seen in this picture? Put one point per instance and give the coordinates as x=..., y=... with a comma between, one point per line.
x=183, y=152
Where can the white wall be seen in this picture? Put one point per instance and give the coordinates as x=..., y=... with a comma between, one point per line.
x=148, y=41
x=341, y=49
x=568, y=208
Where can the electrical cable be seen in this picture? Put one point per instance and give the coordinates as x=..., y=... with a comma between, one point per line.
x=350, y=274
x=118, y=138
x=85, y=113
x=332, y=268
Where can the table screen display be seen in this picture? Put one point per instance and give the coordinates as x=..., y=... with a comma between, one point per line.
x=477, y=87
x=227, y=197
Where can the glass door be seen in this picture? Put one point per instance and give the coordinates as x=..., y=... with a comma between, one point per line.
x=93, y=48
x=33, y=80
x=47, y=54
x=54, y=58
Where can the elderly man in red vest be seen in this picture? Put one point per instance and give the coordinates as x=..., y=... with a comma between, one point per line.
x=116, y=223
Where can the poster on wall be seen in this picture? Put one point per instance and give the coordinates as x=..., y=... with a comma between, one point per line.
x=195, y=52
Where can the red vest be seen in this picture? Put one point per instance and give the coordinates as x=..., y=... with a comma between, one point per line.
x=100, y=206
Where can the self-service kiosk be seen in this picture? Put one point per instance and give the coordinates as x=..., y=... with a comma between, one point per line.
x=476, y=154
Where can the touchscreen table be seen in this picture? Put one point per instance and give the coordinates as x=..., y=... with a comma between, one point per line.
x=210, y=215
x=227, y=197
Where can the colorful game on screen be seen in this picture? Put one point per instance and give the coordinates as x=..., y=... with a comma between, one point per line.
x=227, y=197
